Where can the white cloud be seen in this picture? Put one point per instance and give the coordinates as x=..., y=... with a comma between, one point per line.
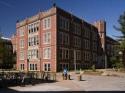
x=6, y=4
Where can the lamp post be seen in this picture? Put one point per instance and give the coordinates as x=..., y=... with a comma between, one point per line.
x=105, y=61
x=120, y=54
x=74, y=60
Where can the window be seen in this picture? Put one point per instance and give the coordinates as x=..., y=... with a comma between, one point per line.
x=21, y=43
x=21, y=56
x=47, y=53
x=47, y=67
x=33, y=27
x=77, y=28
x=60, y=53
x=87, y=44
x=87, y=33
x=95, y=46
x=33, y=66
x=33, y=41
x=78, y=55
x=63, y=23
x=64, y=53
x=94, y=35
x=33, y=54
x=87, y=56
x=77, y=41
x=66, y=38
x=47, y=23
x=46, y=38
x=21, y=31
x=21, y=66
x=60, y=36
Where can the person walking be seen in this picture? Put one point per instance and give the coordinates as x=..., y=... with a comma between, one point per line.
x=65, y=72
x=22, y=77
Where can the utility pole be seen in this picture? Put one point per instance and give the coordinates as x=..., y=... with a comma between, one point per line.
x=105, y=60
x=105, y=54
x=75, y=60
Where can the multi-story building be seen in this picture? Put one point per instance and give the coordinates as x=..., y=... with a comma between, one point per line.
x=55, y=39
x=14, y=43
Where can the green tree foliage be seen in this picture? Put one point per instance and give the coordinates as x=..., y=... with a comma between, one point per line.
x=93, y=68
x=7, y=58
x=1, y=51
x=121, y=28
x=116, y=63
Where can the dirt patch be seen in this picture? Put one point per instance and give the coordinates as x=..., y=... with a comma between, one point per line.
x=93, y=73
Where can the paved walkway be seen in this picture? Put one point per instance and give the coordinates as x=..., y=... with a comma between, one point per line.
x=88, y=83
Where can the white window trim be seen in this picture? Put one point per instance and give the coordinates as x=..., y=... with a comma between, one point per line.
x=22, y=42
x=44, y=53
x=44, y=39
x=48, y=27
x=21, y=57
x=33, y=64
x=47, y=66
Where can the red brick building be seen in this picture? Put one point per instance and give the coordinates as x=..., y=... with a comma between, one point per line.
x=54, y=39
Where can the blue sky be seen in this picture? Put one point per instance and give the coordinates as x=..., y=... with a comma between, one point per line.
x=89, y=10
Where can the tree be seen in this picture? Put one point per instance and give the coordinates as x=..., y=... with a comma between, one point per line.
x=116, y=63
x=7, y=58
x=121, y=28
x=1, y=51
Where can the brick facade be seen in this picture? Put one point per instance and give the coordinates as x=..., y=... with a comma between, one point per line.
x=72, y=42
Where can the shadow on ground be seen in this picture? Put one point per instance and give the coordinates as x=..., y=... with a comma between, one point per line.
x=17, y=82
x=6, y=90
x=7, y=84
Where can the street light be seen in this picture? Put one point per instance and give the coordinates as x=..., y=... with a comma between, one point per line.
x=120, y=54
x=74, y=60
x=105, y=61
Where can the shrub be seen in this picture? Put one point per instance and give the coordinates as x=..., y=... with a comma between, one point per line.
x=93, y=68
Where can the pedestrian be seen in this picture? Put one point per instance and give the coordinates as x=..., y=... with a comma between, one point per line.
x=22, y=77
x=65, y=72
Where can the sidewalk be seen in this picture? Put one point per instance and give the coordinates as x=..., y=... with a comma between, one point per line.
x=88, y=83
x=112, y=72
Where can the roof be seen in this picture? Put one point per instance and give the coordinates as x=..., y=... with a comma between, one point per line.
x=112, y=40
